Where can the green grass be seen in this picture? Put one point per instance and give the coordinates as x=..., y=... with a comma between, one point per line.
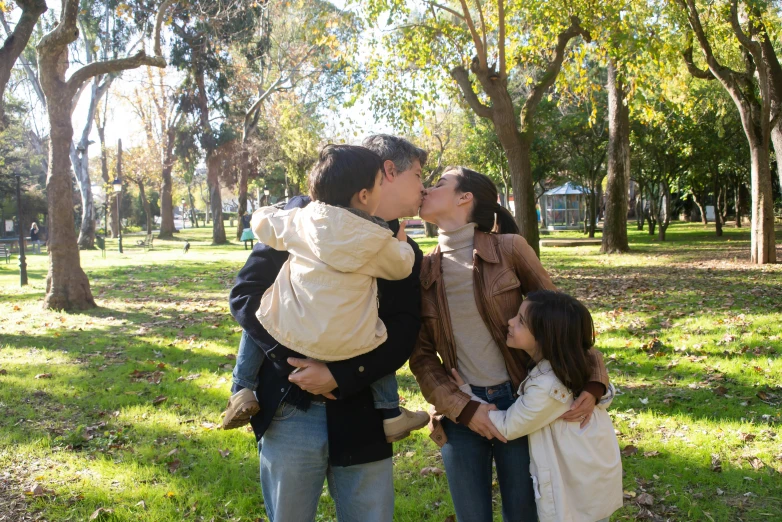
x=691, y=334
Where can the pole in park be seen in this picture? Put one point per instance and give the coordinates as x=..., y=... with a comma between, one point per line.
x=118, y=191
x=184, y=222
x=22, y=259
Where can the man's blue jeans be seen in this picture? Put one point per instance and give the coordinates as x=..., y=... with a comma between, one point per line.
x=468, y=465
x=248, y=363
x=294, y=455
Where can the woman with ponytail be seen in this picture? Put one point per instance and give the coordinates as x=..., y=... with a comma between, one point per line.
x=473, y=283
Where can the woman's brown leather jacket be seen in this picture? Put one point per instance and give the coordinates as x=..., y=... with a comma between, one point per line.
x=505, y=269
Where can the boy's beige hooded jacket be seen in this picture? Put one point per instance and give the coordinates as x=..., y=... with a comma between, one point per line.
x=323, y=303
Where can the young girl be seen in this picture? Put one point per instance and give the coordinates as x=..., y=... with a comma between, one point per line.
x=576, y=472
x=324, y=301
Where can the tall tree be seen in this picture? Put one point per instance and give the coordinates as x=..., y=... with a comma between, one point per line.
x=16, y=41
x=160, y=117
x=498, y=38
x=67, y=286
x=205, y=34
x=750, y=89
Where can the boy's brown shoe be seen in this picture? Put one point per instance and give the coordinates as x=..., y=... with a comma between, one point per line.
x=400, y=427
x=241, y=406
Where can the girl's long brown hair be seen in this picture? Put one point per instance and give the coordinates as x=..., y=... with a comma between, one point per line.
x=486, y=211
x=564, y=331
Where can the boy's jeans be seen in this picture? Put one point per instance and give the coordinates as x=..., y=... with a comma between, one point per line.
x=248, y=363
x=250, y=358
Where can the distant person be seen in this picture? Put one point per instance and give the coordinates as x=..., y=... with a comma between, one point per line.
x=34, y=238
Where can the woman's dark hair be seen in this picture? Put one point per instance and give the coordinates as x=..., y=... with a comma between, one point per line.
x=563, y=329
x=486, y=211
x=341, y=172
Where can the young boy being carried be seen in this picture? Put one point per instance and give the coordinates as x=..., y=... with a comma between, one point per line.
x=324, y=302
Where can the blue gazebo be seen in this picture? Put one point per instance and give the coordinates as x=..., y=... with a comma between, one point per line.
x=564, y=207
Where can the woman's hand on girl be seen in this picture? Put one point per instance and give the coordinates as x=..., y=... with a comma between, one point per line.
x=482, y=424
x=581, y=409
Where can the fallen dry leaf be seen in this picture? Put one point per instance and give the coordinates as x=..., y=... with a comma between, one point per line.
x=645, y=499
x=756, y=463
x=98, y=513
x=629, y=450
x=747, y=437
x=431, y=471
x=174, y=465
x=159, y=399
x=44, y=376
x=224, y=453
x=720, y=390
x=3, y=371
x=716, y=463
x=141, y=504
x=649, y=454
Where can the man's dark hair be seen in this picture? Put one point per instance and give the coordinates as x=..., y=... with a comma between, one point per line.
x=563, y=329
x=341, y=172
x=396, y=149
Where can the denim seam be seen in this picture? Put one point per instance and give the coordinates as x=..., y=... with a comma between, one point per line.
x=335, y=497
x=245, y=384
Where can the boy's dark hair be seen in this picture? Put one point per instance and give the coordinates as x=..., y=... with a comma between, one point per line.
x=486, y=211
x=564, y=332
x=341, y=172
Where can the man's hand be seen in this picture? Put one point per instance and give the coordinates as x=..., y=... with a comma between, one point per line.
x=402, y=234
x=313, y=377
x=482, y=424
x=581, y=410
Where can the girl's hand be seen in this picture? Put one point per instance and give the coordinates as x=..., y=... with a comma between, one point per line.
x=456, y=378
x=581, y=410
x=402, y=235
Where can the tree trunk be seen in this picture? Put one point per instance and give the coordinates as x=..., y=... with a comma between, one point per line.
x=67, y=286
x=592, y=213
x=145, y=203
x=665, y=211
x=737, y=204
x=111, y=198
x=776, y=139
x=718, y=218
x=244, y=175
x=167, y=227
x=615, y=223
x=193, y=215
x=215, y=200
x=430, y=229
x=639, y=210
x=699, y=200
x=763, y=245
x=86, y=239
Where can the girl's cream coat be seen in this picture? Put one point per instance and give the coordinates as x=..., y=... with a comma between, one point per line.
x=323, y=303
x=577, y=472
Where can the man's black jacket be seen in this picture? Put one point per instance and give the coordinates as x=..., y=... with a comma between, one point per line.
x=355, y=428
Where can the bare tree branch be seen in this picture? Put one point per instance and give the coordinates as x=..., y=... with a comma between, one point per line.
x=462, y=78
x=501, y=42
x=552, y=71
x=447, y=9
x=479, y=48
x=693, y=69
x=121, y=64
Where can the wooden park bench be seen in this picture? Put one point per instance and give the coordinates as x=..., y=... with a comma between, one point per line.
x=5, y=252
x=146, y=242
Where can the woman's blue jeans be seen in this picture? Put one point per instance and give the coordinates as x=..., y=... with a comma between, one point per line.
x=468, y=465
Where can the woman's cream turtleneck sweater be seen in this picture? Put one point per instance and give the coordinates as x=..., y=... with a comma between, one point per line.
x=478, y=356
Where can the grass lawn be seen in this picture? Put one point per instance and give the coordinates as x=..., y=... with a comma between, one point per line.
x=118, y=408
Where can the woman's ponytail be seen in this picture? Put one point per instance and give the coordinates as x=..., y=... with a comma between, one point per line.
x=487, y=213
x=506, y=223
